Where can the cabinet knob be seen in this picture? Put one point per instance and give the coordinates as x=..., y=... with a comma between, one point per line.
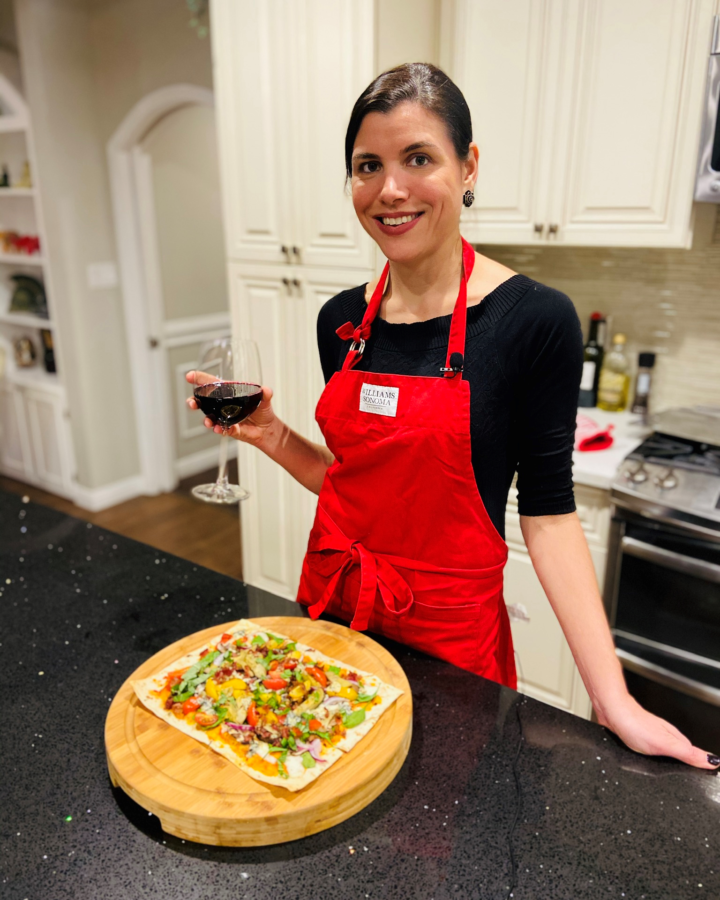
x=296, y=254
x=154, y=343
x=286, y=252
x=286, y=282
x=296, y=283
x=539, y=228
x=553, y=229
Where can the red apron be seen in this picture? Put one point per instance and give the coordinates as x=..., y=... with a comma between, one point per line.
x=402, y=544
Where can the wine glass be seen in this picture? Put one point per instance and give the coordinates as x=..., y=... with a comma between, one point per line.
x=230, y=394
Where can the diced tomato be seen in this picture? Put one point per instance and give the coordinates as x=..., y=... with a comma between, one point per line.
x=204, y=719
x=274, y=684
x=352, y=676
x=315, y=725
x=318, y=675
x=281, y=719
x=274, y=664
x=225, y=638
x=290, y=664
x=296, y=731
x=190, y=705
x=252, y=715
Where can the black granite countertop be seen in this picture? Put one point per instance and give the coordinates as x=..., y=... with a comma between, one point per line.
x=497, y=790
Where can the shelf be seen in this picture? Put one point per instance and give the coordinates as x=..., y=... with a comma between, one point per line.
x=17, y=192
x=34, y=377
x=25, y=320
x=22, y=259
x=13, y=123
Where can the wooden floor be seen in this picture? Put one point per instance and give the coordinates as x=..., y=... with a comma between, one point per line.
x=176, y=523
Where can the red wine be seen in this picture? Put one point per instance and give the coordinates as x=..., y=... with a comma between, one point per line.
x=228, y=402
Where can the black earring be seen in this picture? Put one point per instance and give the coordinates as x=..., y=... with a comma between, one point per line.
x=468, y=198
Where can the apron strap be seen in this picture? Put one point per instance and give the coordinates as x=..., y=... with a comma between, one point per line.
x=456, y=343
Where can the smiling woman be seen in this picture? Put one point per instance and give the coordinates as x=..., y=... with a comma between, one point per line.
x=445, y=376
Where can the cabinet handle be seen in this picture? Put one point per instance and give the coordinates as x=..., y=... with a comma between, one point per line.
x=286, y=282
x=553, y=229
x=154, y=343
x=286, y=252
x=539, y=228
x=296, y=284
x=296, y=254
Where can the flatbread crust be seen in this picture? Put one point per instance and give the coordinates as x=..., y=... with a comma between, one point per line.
x=298, y=777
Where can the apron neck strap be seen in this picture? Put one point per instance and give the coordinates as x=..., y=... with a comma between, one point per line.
x=456, y=343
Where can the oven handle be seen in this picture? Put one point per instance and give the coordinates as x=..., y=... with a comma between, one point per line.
x=669, y=679
x=671, y=560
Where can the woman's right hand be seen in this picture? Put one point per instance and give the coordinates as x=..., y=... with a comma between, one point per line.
x=253, y=430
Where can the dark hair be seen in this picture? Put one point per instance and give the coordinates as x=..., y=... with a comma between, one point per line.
x=421, y=83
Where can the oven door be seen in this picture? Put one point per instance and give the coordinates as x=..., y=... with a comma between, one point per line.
x=666, y=622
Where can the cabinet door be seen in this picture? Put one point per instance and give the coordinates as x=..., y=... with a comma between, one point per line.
x=49, y=437
x=331, y=63
x=273, y=314
x=250, y=72
x=15, y=453
x=626, y=137
x=497, y=53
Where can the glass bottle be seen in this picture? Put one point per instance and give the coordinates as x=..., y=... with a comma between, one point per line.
x=646, y=363
x=614, y=379
x=592, y=361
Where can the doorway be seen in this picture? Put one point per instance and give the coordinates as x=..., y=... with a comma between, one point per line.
x=166, y=198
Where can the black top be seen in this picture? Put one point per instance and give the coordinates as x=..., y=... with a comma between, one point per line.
x=523, y=360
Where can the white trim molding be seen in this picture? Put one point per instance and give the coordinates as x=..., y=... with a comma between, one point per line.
x=197, y=462
x=96, y=499
x=153, y=436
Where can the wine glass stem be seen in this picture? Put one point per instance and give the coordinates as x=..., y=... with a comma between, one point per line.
x=222, y=469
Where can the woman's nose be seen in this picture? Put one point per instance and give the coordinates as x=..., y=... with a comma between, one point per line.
x=392, y=188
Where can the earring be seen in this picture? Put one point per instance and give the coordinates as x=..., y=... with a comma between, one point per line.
x=468, y=198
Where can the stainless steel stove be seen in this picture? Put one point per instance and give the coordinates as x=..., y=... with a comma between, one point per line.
x=662, y=583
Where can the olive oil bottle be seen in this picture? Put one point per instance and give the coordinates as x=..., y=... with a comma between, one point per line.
x=614, y=378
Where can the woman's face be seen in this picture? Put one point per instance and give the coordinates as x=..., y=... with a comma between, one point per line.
x=404, y=166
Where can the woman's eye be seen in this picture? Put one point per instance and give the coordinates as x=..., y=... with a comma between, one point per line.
x=424, y=160
x=363, y=171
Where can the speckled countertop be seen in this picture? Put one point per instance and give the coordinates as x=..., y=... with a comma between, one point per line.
x=494, y=782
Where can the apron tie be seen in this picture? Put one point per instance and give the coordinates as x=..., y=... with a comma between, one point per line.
x=375, y=574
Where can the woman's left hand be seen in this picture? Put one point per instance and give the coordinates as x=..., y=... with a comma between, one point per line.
x=646, y=733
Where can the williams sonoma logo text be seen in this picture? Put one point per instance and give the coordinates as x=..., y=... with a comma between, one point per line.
x=382, y=401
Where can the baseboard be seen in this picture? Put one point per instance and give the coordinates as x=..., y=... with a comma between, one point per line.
x=95, y=499
x=197, y=462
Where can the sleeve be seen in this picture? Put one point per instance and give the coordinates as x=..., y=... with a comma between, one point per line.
x=327, y=339
x=548, y=396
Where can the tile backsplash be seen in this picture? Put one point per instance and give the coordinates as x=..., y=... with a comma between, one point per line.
x=666, y=301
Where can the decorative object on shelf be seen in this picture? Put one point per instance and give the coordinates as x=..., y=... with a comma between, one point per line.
x=25, y=180
x=199, y=20
x=25, y=355
x=49, y=353
x=12, y=242
x=5, y=177
x=29, y=296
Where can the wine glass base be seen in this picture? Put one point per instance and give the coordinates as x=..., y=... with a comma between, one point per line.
x=225, y=494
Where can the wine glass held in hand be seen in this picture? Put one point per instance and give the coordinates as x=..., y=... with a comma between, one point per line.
x=230, y=391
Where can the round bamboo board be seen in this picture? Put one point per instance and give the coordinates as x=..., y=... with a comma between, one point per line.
x=200, y=796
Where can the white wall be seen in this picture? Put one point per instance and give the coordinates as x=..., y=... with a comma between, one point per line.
x=85, y=65
x=406, y=31
x=186, y=185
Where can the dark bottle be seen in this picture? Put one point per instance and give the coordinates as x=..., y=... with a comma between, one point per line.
x=49, y=353
x=592, y=361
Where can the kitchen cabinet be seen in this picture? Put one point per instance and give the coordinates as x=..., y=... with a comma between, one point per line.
x=36, y=443
x=587, y=115
x=286, y=76
x=278, y=307
x=546, y=668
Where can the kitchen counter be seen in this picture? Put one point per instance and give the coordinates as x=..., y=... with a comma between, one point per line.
x=497, y=788
x=597, y=468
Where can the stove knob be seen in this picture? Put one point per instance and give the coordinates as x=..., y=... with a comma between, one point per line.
x=667, y=481
x=637, y=475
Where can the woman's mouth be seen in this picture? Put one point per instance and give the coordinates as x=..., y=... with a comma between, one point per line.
x=397, y=224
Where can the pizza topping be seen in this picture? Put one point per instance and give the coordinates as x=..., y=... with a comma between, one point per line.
x=355, y=718
x=308, y=761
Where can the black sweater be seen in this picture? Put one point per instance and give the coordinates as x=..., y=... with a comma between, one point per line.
x=523, y=360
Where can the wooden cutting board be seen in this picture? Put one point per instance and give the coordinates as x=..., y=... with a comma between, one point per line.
x=200, y=796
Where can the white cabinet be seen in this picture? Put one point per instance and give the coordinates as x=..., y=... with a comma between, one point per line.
x=278, y=307
x=287, y=73
x=587, y=115
x=546, y=668
x=35, y=440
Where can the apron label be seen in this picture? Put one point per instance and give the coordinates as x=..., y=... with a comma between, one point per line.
x=382, y=401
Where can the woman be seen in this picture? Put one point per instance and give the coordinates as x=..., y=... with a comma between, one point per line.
x=445, y=376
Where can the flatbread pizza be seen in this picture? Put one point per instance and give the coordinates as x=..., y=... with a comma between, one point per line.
x=278, y=709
